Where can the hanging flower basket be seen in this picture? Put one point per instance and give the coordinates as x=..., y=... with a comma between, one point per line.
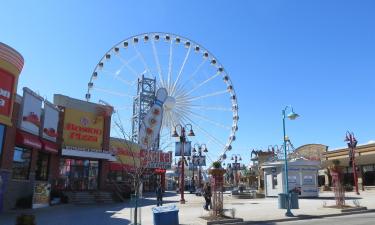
x=216, y=171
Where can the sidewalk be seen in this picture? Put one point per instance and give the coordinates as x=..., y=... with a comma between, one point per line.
x=248, y=209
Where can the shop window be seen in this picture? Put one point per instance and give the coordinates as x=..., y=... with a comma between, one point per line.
x=42, y=165
x=21, y=163
x=2, y=138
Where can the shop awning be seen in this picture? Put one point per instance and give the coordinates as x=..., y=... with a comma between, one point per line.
x=49, y=146
x=28, y=140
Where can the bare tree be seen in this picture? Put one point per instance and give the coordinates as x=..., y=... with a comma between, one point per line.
x=140, y=162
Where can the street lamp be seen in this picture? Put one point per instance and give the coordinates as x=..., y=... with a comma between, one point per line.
x=352, y=144
x=200, y=154
x=182, y=137
x=235, y=158
x=292, y=116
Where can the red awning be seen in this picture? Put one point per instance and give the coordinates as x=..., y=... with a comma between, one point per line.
x=29, y=140
x=49, y=146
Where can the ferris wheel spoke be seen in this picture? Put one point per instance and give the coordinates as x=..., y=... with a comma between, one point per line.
x=217, y=108
x=142, y=59
x=209, y=120
x=117, y=77
x=112, y=92
x=202, y=129
x=156, y=57
x=181, y=69
x=205, y=96
x=126, y=63
x=194, y=73
x=204, y=82
x=170, y=62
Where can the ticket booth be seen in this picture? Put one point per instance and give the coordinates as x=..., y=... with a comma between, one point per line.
x=302, y=177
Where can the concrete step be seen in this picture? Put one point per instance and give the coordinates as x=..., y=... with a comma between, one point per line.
x=90, y=197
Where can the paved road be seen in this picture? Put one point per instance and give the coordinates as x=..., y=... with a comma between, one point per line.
x=356, y=219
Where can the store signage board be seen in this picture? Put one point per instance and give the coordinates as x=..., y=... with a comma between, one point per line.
x=31, y=110
x=83, y=129
x=6, y=95
x=50, y=120
x=41, y=194
x=187, y=149
x=199, y=160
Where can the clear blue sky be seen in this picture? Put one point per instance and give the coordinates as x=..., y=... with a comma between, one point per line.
x=317, y=55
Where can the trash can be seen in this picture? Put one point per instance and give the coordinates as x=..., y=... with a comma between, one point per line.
x=165, y=215
x=294, y=200
x=282, y=201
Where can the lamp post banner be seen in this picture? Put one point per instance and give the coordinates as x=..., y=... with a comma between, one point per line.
x=187, y=148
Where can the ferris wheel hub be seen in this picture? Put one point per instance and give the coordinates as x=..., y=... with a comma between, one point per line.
x=170, y=103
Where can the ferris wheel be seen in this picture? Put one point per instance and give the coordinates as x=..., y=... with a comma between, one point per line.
x=200, y=91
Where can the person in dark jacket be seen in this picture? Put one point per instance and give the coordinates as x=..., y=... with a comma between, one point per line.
x=207, y=195
x=159, y=195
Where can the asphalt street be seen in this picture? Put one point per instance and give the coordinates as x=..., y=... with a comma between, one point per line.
x=355, y=219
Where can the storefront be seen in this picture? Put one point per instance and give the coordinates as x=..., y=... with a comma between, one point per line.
x=365, y=163
x=11, y=64
x=85, y=144
x=131, y=159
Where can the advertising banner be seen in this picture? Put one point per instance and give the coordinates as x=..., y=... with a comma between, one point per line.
x=6, y=96
x=31, y=110
x=199, y=160
x=50, y=120
x=127, y=154
x=187, y=149
x=83, y=129
x=236, y=166
x=157, y=159
x=41, y=194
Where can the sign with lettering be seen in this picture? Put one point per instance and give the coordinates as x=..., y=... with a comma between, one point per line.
x=31, y=111
x=6, y=95
x=41, y=194
x=83, y=129
x=50, y=121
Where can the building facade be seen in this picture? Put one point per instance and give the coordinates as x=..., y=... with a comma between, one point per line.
x=365, y=163
x=84, y=129
x=11, y=64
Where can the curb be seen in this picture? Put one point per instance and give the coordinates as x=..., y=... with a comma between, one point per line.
x=306, y=217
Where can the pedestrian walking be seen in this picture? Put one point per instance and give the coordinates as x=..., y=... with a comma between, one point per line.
x=207, y=195
x=159, y=195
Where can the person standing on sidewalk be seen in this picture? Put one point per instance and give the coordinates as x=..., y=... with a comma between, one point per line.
x=159, y=195
x=207, y=195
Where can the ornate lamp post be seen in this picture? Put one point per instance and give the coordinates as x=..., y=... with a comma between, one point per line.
x=235, y=158
x=199, y=154
x=182, y=138
x=292, y=116
x=352, y=144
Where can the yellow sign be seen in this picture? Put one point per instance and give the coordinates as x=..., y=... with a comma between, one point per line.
x=127, y=153
x=83, y=129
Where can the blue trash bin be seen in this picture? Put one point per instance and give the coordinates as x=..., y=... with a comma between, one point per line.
x=294, y=201
x=282, y=200
x=165, y=215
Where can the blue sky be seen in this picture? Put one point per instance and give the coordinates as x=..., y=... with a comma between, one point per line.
x=318, y=56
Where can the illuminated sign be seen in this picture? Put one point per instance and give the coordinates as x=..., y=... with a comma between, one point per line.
x=6, y=93
x=31, y=111
x=50, y=121
x=82, y=129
